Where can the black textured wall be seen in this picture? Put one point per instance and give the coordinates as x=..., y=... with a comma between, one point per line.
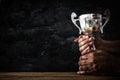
x=38, y=35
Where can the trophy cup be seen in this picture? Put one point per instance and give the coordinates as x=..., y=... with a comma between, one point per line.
x=91, y=23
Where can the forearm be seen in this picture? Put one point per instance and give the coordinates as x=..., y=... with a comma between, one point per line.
x=112, y=47
x=112, y=50
x=115, y=43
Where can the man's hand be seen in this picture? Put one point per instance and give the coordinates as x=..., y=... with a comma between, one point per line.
x=102, y=60
x=96, y=62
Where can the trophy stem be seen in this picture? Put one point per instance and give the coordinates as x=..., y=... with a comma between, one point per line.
x=93, y=47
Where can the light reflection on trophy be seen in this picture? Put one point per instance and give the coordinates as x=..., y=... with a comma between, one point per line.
x=90, y=24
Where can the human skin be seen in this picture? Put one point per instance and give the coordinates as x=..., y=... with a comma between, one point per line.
x=105, y=59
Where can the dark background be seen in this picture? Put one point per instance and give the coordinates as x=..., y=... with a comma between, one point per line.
x=38, y=35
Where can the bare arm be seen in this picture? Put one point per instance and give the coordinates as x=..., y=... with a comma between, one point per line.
x=110, y=46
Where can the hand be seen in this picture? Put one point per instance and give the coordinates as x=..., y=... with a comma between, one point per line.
x=100, y=60
x=96, y=62
x=85, y=42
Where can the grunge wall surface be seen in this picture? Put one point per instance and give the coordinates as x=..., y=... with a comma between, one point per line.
x=38, y=35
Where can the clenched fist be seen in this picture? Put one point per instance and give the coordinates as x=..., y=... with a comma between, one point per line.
x=105, y=59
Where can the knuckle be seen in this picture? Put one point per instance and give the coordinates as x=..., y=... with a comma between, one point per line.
x=81, y=49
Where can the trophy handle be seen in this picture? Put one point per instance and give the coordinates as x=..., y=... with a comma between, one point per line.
x=73, y=15
x=107, y=18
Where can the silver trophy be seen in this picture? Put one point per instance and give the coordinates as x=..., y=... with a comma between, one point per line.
x=91, y=23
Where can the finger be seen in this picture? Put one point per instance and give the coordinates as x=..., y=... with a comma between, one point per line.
x=85, y=46
x=83, y=57
x=91, y=38
x=81, y=72
x=87, y=69
x=84, y=72
x=91, y=57
x=76, y=40
x=84, y=37
x=87, y=66
x=85, y=51
x=84, y=68
x=82, y=62
x=85, y=63
x=83, y=42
